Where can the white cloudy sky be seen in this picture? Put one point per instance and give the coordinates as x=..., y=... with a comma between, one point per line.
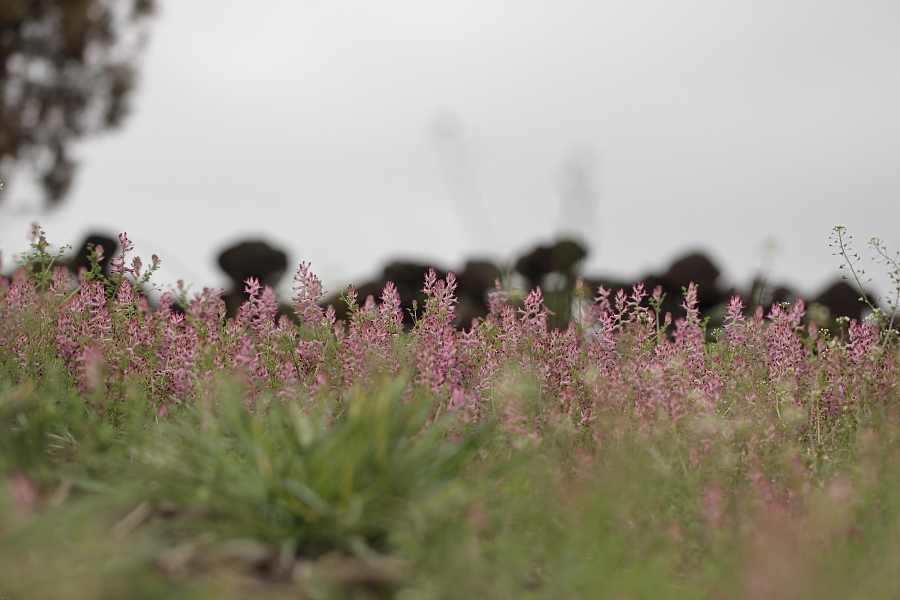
x=350, y=133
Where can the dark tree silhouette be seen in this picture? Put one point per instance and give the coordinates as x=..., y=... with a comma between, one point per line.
x=67, y=68
x=842, y=300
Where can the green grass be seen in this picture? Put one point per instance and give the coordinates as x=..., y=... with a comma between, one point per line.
x=357, y=498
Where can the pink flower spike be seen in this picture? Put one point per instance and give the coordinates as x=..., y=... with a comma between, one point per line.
x=252, y=287
x=498, y=298
x=117, y=263
x=127, y=245
x=307, y=293
x=430, y=281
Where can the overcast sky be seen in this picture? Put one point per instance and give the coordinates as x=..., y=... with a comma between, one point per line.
x=351, y=133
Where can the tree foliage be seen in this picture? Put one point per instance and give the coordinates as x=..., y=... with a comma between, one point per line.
x=67, y=69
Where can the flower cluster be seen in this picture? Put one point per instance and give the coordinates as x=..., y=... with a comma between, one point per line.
x=617, y=356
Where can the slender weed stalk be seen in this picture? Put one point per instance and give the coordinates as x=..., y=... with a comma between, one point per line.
x=841, y=241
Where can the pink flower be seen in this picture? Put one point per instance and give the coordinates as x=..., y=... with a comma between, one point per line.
x=735, y=328
x=117, y=263
x=498, y=298
x=89, y=364
x=308, y=292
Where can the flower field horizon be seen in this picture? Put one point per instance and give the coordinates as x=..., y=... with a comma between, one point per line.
x=172, y=452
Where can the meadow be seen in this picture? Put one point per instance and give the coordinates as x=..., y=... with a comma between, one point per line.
x=173, y=453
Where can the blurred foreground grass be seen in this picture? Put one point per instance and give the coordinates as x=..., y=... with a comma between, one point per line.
x=364, y=497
